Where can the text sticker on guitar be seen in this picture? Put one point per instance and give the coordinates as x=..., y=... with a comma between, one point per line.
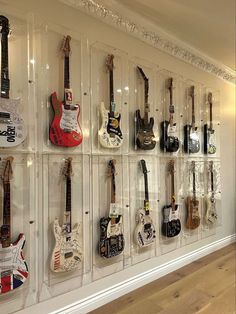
x=67, y=252
x=13, y=268
x=110, y=135
x=12, y=127
x=65, y=129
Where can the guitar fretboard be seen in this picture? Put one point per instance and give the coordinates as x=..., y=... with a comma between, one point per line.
x=68, y=204
x=5, y=82
x=66, y=72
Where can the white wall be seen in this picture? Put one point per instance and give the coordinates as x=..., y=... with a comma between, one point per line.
x=94, y=30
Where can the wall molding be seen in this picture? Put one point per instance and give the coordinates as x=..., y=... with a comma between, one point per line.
x=107, y=295
x=155, y=38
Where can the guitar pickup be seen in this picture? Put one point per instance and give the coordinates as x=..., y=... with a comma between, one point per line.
x=67, y=130
x=68, y=254
x=5, y=117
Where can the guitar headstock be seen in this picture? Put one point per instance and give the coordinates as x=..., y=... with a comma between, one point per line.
x=110, y=62
x=67, y=169
x=4, y=23
x=7, y=172
x=143, y=166
x=142, y=74
x=170, y=84
x=66, y=46
x=111, y=167
x=211, y=166
x=193, y=166
x=209, y=98
x=171, y=166
x=192, y=91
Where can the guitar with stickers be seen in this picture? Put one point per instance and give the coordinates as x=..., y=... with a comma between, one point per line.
x=65, y=129
x=209, y=132
x=144, y=135
x=67, y=253
x=13, y=267
x=12, y=128
x=145, y=232
x=111, y=228
x=211, y=213
x=191, y=136
x=168, y=141
x=110, y=135
x=192, y=203
x=171, y=225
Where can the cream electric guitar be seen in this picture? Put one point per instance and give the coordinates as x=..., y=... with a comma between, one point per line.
x=211, y=214
x=13, y=268
x=145, y=232
x=67, y=252
x=12, y=128
x=110, y=135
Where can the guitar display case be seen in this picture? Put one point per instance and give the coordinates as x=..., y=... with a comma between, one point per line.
x=136, y=201
x=101, y=94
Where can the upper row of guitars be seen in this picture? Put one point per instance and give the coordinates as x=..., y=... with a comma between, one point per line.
x=65, y=128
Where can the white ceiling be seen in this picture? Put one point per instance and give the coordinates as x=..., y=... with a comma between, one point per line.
x=207, y=25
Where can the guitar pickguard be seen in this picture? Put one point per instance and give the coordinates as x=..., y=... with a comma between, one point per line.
x=145, y=232
x=211, y=213
x=171, y=225
x=209, y=140
x=191, y=140
x=144, y=137
x=168, y=142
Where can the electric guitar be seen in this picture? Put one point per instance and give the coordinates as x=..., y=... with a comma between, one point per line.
x=111, y=228
x=144, y=135
x=171, y=225
x=67, y=253
x=191, y=137
x=110, y=135
x=211, y=214
x=193, y=216
x=209, y=133
x=145, y=232
x=13, y=267
x=168, y=141
x=12, y=127
x=65, y=129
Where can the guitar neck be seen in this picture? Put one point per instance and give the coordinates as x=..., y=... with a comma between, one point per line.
x=211, y=124
x=173, y=188
x=193, y=111
x=146, y=201
x=194, y=185
x=5, y=234
x=67, y=216
x=111, y=92
x=5, y=82
x=146, y=105
x=212, y=182
x=113, y=188
x=171, y=107
x=66, y=72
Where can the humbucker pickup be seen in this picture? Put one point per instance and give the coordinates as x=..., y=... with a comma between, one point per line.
x=68, y=254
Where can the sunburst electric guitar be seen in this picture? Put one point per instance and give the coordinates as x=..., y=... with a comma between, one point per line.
x=171, y=225
x=192, y=203
x=13, y=267
x=191, y=136
x=65, y=129
x=209, y=132
x=144, y=135
x=12, y=127
x=145, y=232
x=110, y=135
x=168, y=141
x=111, y=228
x=67, y=253
x=211, y=213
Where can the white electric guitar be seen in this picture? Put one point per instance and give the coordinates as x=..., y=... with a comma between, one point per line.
x=211, y=214
x=12, y=128
x=209, y=132
x=110, y=135
x=13, y=268
x=67, y=253
x=145, y=232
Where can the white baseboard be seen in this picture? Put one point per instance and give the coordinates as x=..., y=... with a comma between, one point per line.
x=96, y=300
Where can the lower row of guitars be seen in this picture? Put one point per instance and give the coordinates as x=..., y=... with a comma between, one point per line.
x=67, y=253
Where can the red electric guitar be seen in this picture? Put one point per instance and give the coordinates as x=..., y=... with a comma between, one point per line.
x=65, y=129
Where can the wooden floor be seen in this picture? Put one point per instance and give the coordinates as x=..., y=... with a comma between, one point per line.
x=206, y=286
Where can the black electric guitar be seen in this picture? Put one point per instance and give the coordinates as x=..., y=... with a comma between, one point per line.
x=144, y=135
x=12, y=127
x=168, y=142
x=211, y=214
x=145, y=232
x=191, y=136
x=111, y=228
x=209, y=132
x=171, y=225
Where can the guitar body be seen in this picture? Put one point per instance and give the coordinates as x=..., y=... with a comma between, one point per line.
x=65, y=129
x=145, y=232
x=193, y=217
x=13, y=268
x=209, y=140
x=168, y=143
x=67, y=253
x=12, y=128
x=110, y=135
x=144, y=132
x=171, y=225
x=191, y=140
x=111, y=237
x=211, y=214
